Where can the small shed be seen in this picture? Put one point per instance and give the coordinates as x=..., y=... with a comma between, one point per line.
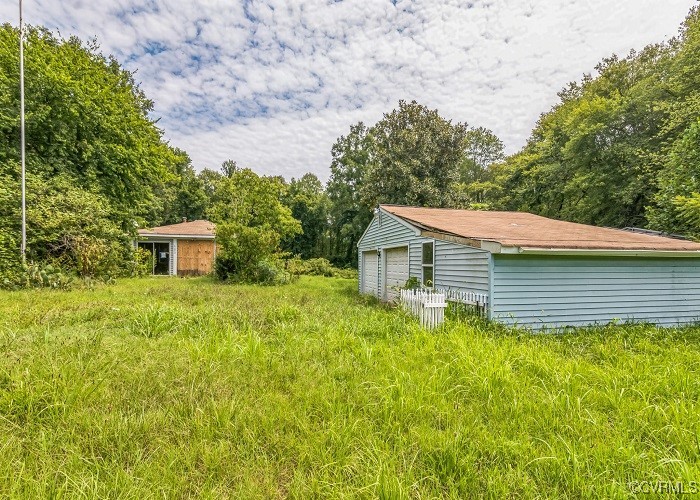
x=533, y=271
x=183, y=249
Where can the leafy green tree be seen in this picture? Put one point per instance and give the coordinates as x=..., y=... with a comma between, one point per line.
x=309, y=204
x=86, y=117
x=183, y=196
x=349, y=215
x=96, y=162
x=482, y=150
x=251, y=223
x=415, y=158
x=595, y=157
x=675, y=207
x=229, y=168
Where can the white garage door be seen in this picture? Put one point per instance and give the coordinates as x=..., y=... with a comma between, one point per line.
x=396, y=272
x=370, y=272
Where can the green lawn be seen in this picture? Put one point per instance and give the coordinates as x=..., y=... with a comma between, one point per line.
x=174, y=387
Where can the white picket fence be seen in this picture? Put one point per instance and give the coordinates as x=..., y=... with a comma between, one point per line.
x=479, y=301
x=427, y=305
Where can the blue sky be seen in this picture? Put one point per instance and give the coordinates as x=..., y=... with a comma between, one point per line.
x=272, y=84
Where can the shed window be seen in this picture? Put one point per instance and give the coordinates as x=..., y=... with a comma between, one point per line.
x=428, y=263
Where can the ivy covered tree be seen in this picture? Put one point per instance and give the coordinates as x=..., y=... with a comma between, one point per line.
x=95, y=159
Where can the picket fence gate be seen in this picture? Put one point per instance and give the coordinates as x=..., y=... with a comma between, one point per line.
x=427, y=305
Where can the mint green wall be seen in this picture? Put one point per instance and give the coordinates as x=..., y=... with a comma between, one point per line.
x=534, y=291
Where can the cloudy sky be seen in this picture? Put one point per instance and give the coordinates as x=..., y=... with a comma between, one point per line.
x=272, y=84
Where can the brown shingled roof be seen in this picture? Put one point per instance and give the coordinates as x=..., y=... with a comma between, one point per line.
x=521, y=229
x=193, y=228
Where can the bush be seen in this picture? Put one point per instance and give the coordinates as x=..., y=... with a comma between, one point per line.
x=241, y=249
x=140, y=264
x=412, y=283
x=271, y=272
x=310, y=267
x=318, y=267
x=267, y=271
x=36, y=275
x=345, y=272
x=10, y=263
x=67, y=227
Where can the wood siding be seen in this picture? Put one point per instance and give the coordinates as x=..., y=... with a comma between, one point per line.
x=557, y=291
x=195, y=257
x=459, y=267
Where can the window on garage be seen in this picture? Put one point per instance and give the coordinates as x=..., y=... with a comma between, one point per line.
x=428, y=263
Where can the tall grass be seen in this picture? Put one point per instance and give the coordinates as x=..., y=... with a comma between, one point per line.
x=172, y=388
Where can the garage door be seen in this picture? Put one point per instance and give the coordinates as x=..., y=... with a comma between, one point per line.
x=369, y=272
x=396, y=272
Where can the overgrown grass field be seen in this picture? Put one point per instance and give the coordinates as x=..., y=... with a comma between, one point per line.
x=172, y=387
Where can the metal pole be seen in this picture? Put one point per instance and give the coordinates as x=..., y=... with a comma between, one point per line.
x=23, y=248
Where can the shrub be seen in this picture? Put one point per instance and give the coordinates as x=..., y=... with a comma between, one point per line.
x=67, y=227
x=317, y=267
x=140, y=264
x=251, y=223
x=344, y=272
x=10, y=263
x=37, y=275
x=412, y=283
x=311, y=267
x=271, y=272
x=241, y=249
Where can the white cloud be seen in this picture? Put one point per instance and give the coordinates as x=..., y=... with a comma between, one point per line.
x=272, y=83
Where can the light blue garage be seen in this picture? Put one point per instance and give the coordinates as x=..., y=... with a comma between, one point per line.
x=535, y=272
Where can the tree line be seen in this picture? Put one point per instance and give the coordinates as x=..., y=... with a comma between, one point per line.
x=620, y=148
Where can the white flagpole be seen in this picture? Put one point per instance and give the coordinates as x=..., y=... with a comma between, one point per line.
x=21, y=105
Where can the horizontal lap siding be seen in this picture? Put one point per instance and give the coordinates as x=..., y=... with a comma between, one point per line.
x=389, y=233
x=536, y=291
x=459, y=267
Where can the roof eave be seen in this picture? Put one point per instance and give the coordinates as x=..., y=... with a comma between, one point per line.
x=178, y=236
x=601, y=252
x=498, y=248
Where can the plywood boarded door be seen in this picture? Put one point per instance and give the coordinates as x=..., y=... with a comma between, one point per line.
x=195, y=257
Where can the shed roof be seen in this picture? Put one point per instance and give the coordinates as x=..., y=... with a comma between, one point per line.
x=525, y=230
x=196, y=228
